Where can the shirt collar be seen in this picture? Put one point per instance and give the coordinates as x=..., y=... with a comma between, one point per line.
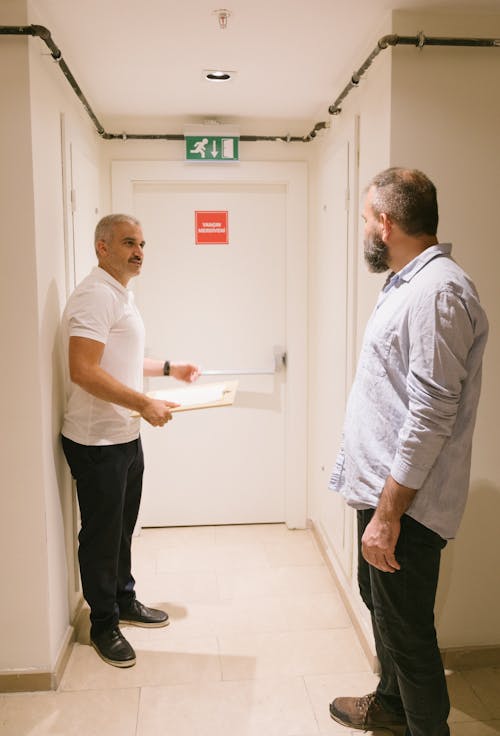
x=416, y=265
x=105, y=276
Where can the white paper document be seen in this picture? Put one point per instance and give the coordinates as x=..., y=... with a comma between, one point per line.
x=190, y=396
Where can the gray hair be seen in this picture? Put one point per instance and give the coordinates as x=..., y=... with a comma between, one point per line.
x=104, y=228
x=408, y=197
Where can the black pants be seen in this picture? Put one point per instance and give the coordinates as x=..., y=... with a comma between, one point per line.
x=109, y=484
x=402, y=608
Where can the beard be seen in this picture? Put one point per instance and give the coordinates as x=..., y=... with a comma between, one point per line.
x=375, y=253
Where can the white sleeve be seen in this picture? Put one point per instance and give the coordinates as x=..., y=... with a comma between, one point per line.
x=92, y=314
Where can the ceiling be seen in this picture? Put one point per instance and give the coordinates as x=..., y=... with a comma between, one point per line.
x=140, y=64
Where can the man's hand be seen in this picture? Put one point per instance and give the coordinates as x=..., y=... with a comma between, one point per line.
x=157, y=412
x=184, y=372
x=378, y=544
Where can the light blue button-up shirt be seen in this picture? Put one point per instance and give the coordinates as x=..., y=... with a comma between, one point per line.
x=412, y=406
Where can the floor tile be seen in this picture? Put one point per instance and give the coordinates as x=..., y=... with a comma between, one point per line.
x=161, y=537
x=165, y=663
x=231, y=616
x=277, y=581
x=186, y=558
x=276, y=708
x=248, y=556
x=290, y=654
x=486, y=684
x=465, y=704
x=93, y=713
x=475, y=728
x=315, y=611
x=293, y=551
x=241, y=533
x=211, y=557
x=182, y=587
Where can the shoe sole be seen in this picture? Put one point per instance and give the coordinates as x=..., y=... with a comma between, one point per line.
x=114, y=662
x=396, y=729
x=144, y=625
x=345, y=723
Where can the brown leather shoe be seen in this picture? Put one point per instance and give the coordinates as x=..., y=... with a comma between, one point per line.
x=365, y=713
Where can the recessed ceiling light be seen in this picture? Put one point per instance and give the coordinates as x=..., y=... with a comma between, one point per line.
x=218, y=75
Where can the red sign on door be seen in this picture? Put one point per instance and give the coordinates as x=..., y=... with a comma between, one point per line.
x=211, y=227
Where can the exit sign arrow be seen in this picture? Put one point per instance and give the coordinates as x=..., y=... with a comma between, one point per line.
x=211, y=148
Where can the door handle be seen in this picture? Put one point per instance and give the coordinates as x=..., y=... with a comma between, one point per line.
x=280, y=359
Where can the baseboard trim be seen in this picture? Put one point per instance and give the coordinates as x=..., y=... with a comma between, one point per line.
x=454, y=658
x=31, y=681
x=467, y=658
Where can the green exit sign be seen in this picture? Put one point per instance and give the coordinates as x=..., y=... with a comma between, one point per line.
x=211, y=148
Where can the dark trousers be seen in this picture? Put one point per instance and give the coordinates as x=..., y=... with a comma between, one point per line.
x=401, y=604
x=109, y=484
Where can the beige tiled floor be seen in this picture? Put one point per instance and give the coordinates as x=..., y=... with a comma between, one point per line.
x=259, y=644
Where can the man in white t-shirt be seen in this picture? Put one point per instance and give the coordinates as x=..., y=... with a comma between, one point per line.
x=103, y=338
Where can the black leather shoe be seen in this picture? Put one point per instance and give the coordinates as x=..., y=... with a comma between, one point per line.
x=139, y=615
x=113, y=648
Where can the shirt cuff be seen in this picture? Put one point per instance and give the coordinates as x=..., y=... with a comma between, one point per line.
x=408, y=475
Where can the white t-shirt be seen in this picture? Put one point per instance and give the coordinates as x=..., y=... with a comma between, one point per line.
x=102, y=309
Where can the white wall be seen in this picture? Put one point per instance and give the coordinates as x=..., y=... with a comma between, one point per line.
x=332, y=351
x=51, y=98
x=22, y=531
x=39, y=587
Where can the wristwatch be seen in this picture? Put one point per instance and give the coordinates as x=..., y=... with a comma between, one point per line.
x=166, y=368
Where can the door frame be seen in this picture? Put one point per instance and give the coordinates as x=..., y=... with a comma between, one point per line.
x=293, y=175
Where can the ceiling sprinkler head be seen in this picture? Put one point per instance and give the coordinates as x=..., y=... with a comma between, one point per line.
x=223, y=15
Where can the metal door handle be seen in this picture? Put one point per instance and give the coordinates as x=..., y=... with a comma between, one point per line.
x=279, y=363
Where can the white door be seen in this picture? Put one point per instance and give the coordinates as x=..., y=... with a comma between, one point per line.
x=224, y=307
x=85, y=212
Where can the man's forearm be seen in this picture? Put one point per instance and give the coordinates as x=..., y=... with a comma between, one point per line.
x=153, y=367
x=394, y=500
x=381, y=535
x=102, y=385
x=186, y=372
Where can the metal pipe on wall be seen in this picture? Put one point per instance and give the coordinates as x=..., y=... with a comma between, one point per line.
x=419, y=41
x=56, y=53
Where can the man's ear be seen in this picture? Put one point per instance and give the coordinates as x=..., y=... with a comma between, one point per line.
x=386, y=225
x=101, y=248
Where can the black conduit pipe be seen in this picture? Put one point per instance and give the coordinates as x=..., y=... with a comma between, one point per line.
x=44, y=33
x=394, y=40
x=390, y=40
x=56, y=54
